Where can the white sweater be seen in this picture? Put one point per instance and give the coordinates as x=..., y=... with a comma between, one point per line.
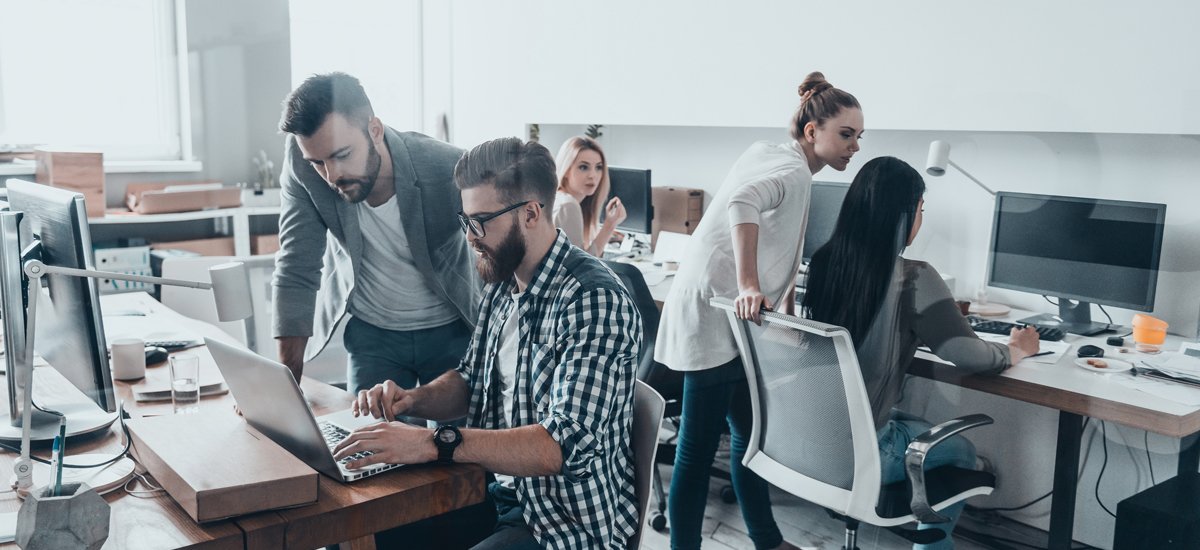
x=768, y=186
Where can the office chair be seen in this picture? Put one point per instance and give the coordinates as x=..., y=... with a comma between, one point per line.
x=647, y=419
x=796, y=368
x=668, y=383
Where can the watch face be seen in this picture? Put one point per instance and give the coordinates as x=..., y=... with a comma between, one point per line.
x=447, y=436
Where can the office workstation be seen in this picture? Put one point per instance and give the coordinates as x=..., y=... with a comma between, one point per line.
x=1056, y=193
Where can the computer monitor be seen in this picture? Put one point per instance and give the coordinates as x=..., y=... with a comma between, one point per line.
x=633, y=187
x=1077, y=249
x=70, y=335
x=824, y=205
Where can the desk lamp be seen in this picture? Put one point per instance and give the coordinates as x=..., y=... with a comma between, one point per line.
x=939, y=158
x=231, y=291
x=935, y=165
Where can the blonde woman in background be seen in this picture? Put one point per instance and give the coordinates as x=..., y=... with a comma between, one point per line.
x=582, y=187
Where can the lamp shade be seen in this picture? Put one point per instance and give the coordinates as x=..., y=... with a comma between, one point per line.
x=231, y=291
x=939, y=158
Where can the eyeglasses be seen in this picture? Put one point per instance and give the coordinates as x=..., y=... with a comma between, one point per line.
x=474, y=224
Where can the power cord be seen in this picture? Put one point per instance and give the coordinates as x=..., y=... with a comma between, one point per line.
x=1103, y=465
x=1149, y=461
x=1078, y=475
x=119, y=456
x=153, y=489
x=1105, y=312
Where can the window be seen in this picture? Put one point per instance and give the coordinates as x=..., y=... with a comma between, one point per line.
x=102, y=75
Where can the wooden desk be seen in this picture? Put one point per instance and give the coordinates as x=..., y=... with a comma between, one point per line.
x=1077, y=393
x=343, y=512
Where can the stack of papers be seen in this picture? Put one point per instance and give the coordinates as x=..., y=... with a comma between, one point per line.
x=1176, y=365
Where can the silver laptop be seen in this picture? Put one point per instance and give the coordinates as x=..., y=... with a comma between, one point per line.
x=271, y=401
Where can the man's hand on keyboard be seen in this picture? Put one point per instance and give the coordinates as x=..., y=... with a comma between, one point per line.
x=388, y=443
x=386, y=401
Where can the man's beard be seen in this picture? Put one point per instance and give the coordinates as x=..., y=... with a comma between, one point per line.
x=365, y=184
x=498, y=265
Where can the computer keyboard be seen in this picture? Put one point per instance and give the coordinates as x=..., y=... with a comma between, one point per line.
x=172, y=345
x=992, y=326
x=334, y=435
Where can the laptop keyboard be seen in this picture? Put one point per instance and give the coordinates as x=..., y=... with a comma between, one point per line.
x=334, y=435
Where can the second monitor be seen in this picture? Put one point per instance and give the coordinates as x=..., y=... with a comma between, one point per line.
x=632, y=186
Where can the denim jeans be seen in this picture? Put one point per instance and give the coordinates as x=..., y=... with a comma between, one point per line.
x=713, y=399
x=405, y=357
x=494, y=524
x=894, y=438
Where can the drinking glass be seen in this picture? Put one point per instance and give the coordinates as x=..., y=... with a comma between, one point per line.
x=185, y=383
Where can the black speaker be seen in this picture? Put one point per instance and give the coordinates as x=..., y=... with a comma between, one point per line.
x=1165, y=516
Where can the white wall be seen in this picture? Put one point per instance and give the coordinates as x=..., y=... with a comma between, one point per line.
x=1023, y=65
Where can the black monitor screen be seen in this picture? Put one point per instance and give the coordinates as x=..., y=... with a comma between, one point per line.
x=824, y=204
x=633, y=187
x=1099, y=251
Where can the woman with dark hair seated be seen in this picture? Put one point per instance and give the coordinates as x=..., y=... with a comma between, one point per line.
x=890, y=305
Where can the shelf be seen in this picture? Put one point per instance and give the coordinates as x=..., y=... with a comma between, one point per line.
x=121, y=219
x=240, y=215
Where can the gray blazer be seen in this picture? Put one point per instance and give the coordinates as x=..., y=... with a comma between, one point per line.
x=321, y=247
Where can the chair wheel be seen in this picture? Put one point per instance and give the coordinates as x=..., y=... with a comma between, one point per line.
x=658, y=522
x=728, y=496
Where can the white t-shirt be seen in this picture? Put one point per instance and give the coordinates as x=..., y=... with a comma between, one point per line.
x=389, y=291
x=506, y=365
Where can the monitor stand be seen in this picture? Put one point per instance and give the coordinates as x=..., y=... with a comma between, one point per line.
x=1073, y=317
x=52, y=391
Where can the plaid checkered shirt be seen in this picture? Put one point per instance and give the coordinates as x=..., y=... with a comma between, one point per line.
x=579, y=336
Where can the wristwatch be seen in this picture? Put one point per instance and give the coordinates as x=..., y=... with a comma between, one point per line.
x=446, y=438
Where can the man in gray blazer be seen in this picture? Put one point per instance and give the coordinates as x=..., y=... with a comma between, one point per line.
x=369, y=226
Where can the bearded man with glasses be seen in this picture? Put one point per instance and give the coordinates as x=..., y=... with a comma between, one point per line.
x=546, y=384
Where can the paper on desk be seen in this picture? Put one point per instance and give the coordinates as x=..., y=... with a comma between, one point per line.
x=146, y=327
x=1179, y=393
x=8, y=526
x=1056, y=349
x=1177, y=364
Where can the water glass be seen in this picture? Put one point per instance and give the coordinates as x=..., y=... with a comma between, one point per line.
x=185, y=383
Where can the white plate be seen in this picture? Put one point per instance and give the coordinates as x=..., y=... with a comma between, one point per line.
x=1114, y=365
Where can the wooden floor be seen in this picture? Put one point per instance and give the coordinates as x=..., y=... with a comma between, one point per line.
x=802, y=523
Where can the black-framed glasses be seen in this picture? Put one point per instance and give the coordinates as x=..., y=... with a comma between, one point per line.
x=474, y=224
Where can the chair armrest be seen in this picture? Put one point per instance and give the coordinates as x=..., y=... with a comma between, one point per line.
x=914, y=461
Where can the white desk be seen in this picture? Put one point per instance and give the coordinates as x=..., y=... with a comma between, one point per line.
x=1075, y=393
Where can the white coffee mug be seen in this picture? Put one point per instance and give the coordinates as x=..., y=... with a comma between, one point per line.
x=128, y=359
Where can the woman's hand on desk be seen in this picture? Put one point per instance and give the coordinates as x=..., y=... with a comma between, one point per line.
x=384, y=401
x=1022, y=342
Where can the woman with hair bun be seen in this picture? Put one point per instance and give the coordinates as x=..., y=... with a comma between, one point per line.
x=582, y=188
x=747, y=248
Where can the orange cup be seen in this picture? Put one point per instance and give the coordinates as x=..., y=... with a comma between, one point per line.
x=1149, y=332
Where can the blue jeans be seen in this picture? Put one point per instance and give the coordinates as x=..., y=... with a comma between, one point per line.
x=405, y=357
x=713, y=399
x=497, y=523
x=894, y=438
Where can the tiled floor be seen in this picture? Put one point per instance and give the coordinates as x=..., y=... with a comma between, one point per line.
x=802, y=523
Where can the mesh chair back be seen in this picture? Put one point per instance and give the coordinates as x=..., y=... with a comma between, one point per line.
x=813, y=430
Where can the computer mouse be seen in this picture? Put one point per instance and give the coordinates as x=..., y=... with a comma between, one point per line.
x=1088, y=350
x=155, y=355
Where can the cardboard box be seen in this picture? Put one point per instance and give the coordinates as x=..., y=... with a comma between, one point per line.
x=75, y=170
x=219, y=246
x=264, y=244
x=216, y=466
x=163, y=198
x=676, y=209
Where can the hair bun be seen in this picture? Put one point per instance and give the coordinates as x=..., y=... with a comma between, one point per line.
x=813, y=84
